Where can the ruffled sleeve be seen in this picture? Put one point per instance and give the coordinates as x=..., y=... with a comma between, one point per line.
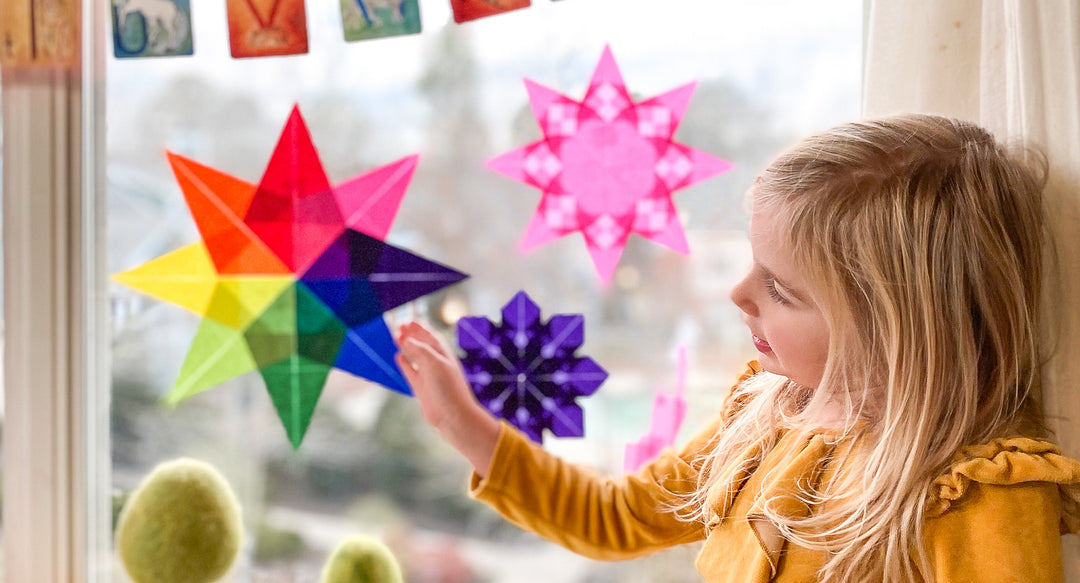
x=1006, y=462
x=736, y=401
x=998, y=512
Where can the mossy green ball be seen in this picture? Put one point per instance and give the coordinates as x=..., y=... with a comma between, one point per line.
x=361, y=559
x=182, y=525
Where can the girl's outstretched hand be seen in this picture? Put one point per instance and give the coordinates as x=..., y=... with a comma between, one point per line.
x=446, y=400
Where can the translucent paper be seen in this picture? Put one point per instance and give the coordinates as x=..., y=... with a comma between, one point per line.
x=292, y=276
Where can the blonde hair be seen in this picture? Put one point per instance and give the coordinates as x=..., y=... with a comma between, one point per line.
x=922, y=238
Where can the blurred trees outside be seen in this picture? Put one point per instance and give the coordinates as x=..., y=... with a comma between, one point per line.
x=368, y=460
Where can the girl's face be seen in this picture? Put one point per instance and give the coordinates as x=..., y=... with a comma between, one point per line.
x=786, y=325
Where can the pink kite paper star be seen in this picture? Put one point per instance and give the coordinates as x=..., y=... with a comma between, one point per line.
x=607, y=166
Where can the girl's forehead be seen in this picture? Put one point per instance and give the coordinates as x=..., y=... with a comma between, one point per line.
x=768, y=221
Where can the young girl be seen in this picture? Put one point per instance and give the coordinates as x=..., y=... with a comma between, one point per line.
x=890, y=429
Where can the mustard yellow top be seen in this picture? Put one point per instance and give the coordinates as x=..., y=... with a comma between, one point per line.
x=996, y=515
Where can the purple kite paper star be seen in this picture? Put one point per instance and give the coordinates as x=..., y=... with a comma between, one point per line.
x=525, y=371
x=607, y=166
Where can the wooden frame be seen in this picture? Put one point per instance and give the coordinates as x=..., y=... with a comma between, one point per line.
x=56, y=513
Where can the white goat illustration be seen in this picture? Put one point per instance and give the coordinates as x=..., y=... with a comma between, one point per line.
x=166, y=24
x=367, y=10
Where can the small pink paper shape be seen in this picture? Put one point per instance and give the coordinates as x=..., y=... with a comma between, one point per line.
x=667, y=417
x=607, y=166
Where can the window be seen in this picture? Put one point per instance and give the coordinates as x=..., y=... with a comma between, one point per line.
x=767, y=74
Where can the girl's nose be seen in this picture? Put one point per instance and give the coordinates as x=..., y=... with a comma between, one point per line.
x=740, y=295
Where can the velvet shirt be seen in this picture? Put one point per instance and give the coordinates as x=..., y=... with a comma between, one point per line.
x=996, y=515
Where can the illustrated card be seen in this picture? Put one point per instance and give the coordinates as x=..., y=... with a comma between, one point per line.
x=40, y=33
x=266, y=28
x=368, y=19
x=151, y=28
x=465, y=10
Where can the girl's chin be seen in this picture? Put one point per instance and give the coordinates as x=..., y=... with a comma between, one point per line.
x=768, y=362
x=770, y=365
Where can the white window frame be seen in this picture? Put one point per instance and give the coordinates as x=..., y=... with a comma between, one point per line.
x=56, y=512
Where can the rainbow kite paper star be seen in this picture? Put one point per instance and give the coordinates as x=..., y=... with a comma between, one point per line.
x=607, y=166
x=525, y=370
x=292, y=276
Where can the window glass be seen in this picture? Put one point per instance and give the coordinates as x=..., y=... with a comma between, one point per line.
x=767, y=73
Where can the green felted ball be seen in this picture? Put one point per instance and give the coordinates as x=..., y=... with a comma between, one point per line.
x=361, y=560
x=182, y=525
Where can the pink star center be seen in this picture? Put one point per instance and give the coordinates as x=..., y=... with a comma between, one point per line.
x=608, y=167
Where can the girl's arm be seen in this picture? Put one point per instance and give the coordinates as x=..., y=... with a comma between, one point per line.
x=596, y=516
x=446, y=401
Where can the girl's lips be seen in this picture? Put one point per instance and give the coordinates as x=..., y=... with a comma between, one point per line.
x=760, y=344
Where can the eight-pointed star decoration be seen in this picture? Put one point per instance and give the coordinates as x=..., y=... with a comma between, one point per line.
x=292, y=276
x=525, y=370
x=607, y=166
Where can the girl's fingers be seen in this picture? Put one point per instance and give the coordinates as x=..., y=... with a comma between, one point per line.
x=426, y=336
x=408, y=330
x=421, y=355
x=407, y=369
x=443, y=347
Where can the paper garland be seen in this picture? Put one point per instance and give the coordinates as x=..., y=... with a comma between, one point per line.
x=524, y=370
x=607, y=166
x=41, y=34
x=371, y=19
x=292, y=276
x=266, y=28
x=151, y=28
x=257, y=28
x=466, y=10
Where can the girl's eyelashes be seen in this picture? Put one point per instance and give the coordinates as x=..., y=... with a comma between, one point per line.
x=770, y=288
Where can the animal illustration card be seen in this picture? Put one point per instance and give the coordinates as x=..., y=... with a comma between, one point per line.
x=266, y=28
x=368, y=19
x=151, y=28
x=40, y=33
x=465, y=10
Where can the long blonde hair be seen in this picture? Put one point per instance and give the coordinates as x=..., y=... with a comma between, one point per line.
x=922, y=238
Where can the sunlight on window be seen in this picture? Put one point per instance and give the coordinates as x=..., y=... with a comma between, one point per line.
x=766, y=74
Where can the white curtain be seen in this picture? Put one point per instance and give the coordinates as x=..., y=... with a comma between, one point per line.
x=1012, y=66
